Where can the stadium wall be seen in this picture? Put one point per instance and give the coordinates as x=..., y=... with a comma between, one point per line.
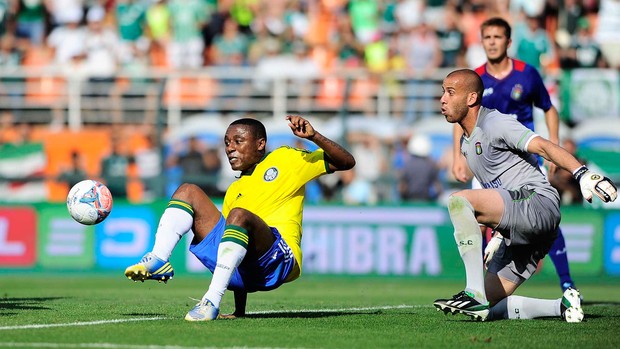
x=412, y=241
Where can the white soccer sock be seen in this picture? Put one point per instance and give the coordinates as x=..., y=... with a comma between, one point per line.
x=469, y=242
x=229, y=256
x=173, y=224
x=530, y=308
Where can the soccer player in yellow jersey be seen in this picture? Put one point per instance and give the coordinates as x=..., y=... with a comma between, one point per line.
x=254, y=244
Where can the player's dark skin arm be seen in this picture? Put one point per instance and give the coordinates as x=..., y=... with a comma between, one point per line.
x=338, y=158
x=241, y=298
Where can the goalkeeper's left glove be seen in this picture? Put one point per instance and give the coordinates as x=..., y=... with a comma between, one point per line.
x=593, y=183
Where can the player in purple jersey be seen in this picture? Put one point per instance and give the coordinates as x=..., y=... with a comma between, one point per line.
x=517, y=201
x=515, y=88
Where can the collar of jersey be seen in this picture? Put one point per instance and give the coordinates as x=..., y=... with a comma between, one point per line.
x=249, y=173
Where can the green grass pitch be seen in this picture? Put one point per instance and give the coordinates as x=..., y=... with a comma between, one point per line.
x=39, y=310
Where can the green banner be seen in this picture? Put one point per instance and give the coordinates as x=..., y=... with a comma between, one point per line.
x=62, y=242
x=583, y=233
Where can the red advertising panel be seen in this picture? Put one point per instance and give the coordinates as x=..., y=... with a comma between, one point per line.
x=18, y=237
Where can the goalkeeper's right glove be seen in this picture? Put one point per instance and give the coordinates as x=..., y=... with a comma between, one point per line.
x=593, y=183
x=492, y=247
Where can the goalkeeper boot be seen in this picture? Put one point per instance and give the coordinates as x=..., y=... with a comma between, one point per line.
x=570, y=306
x=463, y=303
x=203, y=311
x=150, y=267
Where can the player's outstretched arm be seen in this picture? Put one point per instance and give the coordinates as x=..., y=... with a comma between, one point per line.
x=241, y=298
x=591, y=183
x=339, y=159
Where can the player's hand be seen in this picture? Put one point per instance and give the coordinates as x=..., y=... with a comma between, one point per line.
x=595, y=184
x=229, y=316
x=300, y=126
x=492, y=247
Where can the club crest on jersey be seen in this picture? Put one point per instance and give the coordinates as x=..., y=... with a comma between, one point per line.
x=478, y=148
x=517, y=92
x=270, y=174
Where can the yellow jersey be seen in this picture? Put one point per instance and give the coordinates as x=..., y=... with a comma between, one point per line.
x=275, y=191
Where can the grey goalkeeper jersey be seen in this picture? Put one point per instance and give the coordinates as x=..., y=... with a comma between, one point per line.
x=496, y=152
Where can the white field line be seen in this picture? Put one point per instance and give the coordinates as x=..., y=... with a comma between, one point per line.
x=112, y=346
x=113, y=321
x=85, y=323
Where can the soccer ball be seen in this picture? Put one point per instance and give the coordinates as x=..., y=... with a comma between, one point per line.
x=89, y=202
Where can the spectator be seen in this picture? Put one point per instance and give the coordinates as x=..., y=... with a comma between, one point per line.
x=199, y=165
x=356, y=190
x=568, y=17
x=451, y=41
x=67, y=41
x=423, y=56
x=75, y=172
x=114, y=169
x=158, y=32
x=230, y=48
x=187, y=19
x=148, y=162
x=364, y=15
x=11, y=58
x=130, y=25
x=63, y=12
x=5, y=10
x=101, y=61
x=298, y=67
x=583, y=51
x=409, y=13
x=607, y=31
x=532, y=44
x=369, y=152
x=30, y=24
x=419, y=179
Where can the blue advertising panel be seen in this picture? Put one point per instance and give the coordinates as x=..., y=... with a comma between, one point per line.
x=612, y=244
x=125, y=236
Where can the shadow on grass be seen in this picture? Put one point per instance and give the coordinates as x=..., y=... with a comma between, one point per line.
x=600, y=303
x=145, y=314
x=308, y=314
x=30, y=303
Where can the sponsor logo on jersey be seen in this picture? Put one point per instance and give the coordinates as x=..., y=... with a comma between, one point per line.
x=517, y=92
x=487, y=92
x=496, y=183
x=478, y=148
x=270, y=174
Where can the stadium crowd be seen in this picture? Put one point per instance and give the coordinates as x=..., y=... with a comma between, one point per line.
x=308, y=37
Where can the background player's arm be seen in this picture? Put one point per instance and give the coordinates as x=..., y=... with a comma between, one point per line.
x=460, y=170
x=552, y=120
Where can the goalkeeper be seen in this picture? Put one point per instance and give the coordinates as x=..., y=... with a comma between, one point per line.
x=517, y=201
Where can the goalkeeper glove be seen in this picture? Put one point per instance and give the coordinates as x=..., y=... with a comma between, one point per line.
x=492, y=247
x=593, y=183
